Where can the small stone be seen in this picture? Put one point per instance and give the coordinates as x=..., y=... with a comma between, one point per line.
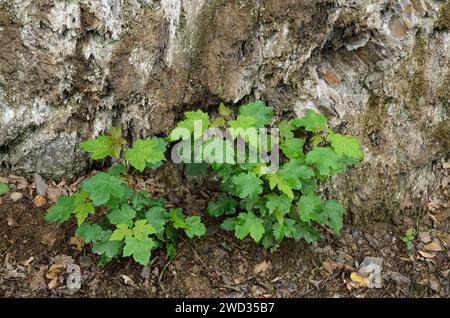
x=397, y=28
x=425, y=237
x=400, y=279
x=434, y=285
x=41, y=186
x=371, y=240
x=85, y=261
x=396, y=220
x=16, y=196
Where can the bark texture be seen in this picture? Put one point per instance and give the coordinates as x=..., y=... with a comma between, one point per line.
x=378, y=69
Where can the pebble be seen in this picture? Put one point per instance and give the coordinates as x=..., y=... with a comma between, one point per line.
x=16, y=196
x=371, y=240
x=41, y=186
x=400, y=279
x=396, y=220
x=434, y=285
x=85, y=261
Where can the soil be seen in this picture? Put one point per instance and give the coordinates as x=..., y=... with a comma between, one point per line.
x=219, y=265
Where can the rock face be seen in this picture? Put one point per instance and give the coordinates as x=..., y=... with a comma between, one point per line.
x=378, y=69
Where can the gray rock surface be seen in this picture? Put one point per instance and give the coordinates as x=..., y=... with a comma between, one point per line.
x=378, y=70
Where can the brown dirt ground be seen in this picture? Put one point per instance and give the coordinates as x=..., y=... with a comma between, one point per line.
x=219, y=265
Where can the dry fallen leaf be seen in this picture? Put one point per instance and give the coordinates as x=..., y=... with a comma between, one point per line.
x=433, y=247
x=330, y=266
x=53, y=283
x=77, y=243
x=53, y=193
x=261, y=267
x=39, y=201
x=38, y=280
x=53, y=271
x=426, y=255
x=360, y=280
x=127, y=280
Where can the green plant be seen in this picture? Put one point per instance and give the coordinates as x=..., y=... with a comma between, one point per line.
x=4, y=188
x=272, y=205
x=409, y=237
x=128, y=222
x=258, y=200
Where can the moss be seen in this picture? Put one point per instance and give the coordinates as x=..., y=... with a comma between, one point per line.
x=375, y=116
x=443, y=22
x=418, y=84
x=442, y=134
x=198, y=39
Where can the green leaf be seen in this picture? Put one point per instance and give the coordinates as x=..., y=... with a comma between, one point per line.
x=285, y=229
x=145, y=151
x=177, y=218
x=193, y=169
x=295, y=173
x=229, y=224
x=275, y=181
x=241, y=124
x=346, y=145
x=104, y=146
x=124, y=215
x=89, y=233
x=102, y=187
x=326, y=160
x=62, y=210
x=224, y=110
x=194, y=227
x=142, y=229
x=4, y=188
x=247, y=185
x=140, y=249
x=157, y=217
x=258, y=110
x=106, y=247
x=122, y=231
x=307, y=232
x=117, y=141
x=248, y=223
x=223, y=204
x=82, y=206
x=192, y=119
x=286, y=127
x=334, y=213
x=310, y=207
x=117, y=169
x=292, y=147
x=278, y=203
x=312, y=121
x=171, y=251
x=100, y=148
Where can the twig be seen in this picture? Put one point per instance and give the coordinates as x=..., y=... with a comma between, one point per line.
x=227, y=239
x=162, y=273
x=195, y=252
